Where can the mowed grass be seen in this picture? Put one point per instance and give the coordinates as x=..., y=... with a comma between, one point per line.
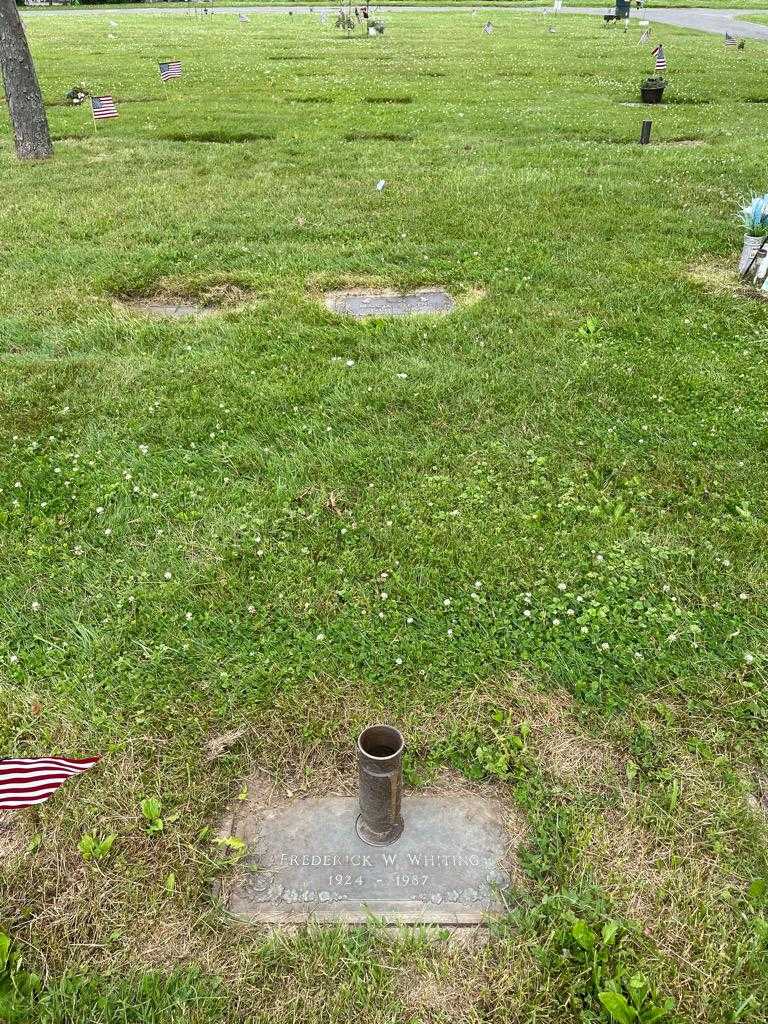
x=230, y=543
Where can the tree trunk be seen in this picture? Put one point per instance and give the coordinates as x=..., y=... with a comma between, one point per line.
x=22, y=91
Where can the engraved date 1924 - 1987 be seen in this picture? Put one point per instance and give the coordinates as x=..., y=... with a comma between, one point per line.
x=397, y=880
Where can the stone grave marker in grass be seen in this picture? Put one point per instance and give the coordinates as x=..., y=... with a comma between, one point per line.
x=361, y=303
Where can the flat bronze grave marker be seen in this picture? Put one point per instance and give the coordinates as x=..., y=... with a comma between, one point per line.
x=360, y=303
x=305, y=862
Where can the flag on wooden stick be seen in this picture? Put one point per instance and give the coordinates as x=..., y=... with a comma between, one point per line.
x=25, y=781
x=661, y=60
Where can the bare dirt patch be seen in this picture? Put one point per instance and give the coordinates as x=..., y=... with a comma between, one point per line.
x=720, y=277
x=567, y=753
x=388, y=99
x=14, y=836
x=219, y=137
x=377, y=137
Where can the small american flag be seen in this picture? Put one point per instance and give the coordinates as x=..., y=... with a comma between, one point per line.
x=243, y=18
x=103, y=106
x=488, y=28
x=661, y=60
x=31, y=780
x=730, y=40
x=644, y=37
x=170, y=69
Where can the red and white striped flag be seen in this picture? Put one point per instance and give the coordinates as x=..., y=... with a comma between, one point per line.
x=661, y=60
x=31, y=780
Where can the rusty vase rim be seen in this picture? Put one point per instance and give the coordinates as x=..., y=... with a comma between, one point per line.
x=393, y=733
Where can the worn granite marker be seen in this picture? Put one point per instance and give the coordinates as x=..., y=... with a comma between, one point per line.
x=360, y=303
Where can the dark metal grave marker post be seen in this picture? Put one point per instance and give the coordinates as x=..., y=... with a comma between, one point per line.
x=645, y=133
x=380, y=763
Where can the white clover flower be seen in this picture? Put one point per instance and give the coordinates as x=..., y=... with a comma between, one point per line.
x=167, y=575
x=398, y=661
x=749, y=658
x=447, y=602
x=188, y=616
x=561, y=586
x=14, y=658
x=527, y=613
x=35, y=606
x=409, y=620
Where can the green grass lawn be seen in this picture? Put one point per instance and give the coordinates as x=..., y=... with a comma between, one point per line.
x=282, y=523
x=459, y=4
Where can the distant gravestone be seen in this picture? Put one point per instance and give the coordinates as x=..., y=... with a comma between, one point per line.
x=360, y=303
x=170, y=309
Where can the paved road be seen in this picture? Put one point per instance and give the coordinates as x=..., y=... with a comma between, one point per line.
x=701, y=19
